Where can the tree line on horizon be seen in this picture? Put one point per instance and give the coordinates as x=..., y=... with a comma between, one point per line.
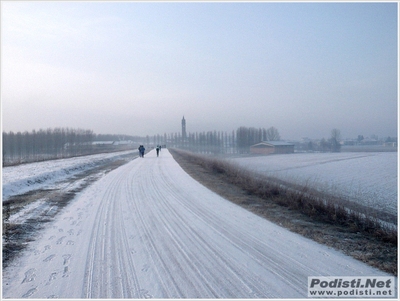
x=56, y=143
x=217, y=142
x=47, y=144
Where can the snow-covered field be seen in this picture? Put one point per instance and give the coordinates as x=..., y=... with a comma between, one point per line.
x=367, y=178
x=41, y=175
x=147, y=229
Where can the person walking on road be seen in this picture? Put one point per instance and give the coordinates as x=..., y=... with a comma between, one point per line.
x=141, y=151
x=157, y=150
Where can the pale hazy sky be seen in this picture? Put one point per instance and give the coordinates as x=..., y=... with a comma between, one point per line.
x=137, y=67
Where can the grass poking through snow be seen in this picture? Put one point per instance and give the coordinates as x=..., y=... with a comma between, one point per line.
x=356, y=229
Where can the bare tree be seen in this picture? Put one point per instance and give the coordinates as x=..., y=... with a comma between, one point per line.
x=335, y=140
x=272, y=134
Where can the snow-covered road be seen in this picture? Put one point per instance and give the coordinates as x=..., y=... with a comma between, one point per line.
x=147, y=229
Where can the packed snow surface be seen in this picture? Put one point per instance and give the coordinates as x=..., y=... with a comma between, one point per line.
x=147, y=229
x=367, y=178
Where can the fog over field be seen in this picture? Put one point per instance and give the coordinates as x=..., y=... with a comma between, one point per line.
x=136, y=68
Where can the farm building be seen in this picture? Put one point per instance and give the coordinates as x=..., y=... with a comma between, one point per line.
x=272, y=147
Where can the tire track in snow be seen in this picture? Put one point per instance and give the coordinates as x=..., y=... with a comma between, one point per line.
x=169, y=287
x=246, y=244
x=149, y=230
x=208, y=218
x=203, y=269
x=110, y=268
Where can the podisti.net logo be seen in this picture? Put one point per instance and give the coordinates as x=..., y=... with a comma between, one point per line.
x=350, y=287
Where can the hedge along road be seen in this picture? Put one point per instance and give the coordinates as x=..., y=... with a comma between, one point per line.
x=148, y=230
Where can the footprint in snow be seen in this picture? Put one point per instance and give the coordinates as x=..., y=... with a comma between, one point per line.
x=145, y=294
x=66, y=272
x=49, y=258
x=52, y=297
x=60, y=240
x=53, y=276
x=66, y=258
x=30, y=275
x=29, y=293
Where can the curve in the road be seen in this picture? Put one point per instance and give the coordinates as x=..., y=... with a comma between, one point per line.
x=147, y=229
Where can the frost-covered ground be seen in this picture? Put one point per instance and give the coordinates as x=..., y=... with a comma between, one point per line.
x=23, y=178
x=367, y=178
x=147, y=229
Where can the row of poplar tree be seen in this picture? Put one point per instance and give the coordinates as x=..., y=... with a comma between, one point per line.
x=46, y=144
x=238, y=141
x=56, y=143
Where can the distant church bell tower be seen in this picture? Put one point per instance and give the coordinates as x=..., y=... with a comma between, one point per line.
x=183, y=129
